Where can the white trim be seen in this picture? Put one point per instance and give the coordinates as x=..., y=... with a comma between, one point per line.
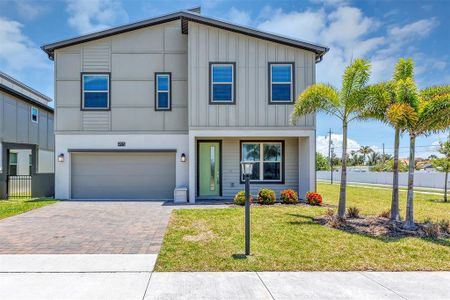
x=169, y=78
x=222, y=83
x=291, y=83
x=95, y=91
x=37, y=114
x=226, y=132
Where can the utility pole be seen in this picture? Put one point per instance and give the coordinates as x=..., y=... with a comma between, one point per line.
x=331, y=160
x=383, y=154
x=330, y=163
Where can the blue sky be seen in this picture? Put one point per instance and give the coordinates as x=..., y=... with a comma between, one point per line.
x=381, y=31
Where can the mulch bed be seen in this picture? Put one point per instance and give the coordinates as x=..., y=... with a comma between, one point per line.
x=377, y=227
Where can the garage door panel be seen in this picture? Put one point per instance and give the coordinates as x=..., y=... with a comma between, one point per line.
x=123, y=175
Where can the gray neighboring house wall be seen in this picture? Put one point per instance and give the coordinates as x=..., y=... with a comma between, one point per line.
x=23, y=134
x=202, y=140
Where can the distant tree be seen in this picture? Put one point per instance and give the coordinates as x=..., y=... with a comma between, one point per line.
x=365, y=150
x=373, y=158
x=321, y=162
x=345, y=104
x=432, y=156
x=443, y=164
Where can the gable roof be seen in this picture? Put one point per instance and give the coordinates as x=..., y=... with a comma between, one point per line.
x=20, y=90
x=186, y=16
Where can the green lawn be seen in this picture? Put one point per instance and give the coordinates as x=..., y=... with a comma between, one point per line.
x=13, y=207
x=371, y=201
x=284, y=238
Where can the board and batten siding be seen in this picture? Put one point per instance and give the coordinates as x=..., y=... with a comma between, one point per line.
x=132, y=58
x=209, y=44
x=231, y=168
x=16, y=125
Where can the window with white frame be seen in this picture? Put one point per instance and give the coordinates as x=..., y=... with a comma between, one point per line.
x=221, y=81
x=266, y=158
x=95, y=91
x=281, y=83
x=34, y=115
x=163, y=91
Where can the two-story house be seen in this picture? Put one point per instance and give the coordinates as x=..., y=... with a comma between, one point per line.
x=26, y=140
x=179, y=101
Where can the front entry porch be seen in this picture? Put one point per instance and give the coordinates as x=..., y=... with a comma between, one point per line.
x=283, y=160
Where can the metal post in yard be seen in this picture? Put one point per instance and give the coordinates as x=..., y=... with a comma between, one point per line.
x=247, y=214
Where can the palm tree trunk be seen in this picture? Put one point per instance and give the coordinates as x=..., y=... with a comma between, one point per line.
x=409, y=223
x=343, y=188
x=445, y=186
x=395, y=212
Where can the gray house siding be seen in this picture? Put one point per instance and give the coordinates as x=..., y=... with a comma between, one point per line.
x=17, y=127
x=252, y=55
x=231, y=167
x=132, y=59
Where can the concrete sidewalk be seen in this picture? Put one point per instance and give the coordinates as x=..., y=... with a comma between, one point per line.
x=131, y=277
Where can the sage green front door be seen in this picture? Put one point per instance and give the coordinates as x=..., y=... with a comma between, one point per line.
x=209, y=168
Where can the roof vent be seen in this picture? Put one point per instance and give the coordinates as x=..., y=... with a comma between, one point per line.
x=197, y=9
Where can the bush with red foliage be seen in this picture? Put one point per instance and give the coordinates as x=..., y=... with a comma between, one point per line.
x=313, y=198
x=289, y=196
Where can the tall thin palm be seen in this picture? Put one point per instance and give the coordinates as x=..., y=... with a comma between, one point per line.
x=431, y=114
x=392, y=106
x=365, y=150
x=345, y=104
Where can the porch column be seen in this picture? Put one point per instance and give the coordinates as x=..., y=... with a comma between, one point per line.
x=192, y=168
x=306, y=164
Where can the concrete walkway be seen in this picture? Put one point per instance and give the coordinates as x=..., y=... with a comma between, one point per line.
x=131, y=277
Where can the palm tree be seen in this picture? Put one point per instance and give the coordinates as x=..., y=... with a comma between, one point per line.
x=391, y=105
x=443, y=165
x=365, y=150
x=345, y=104
x=374, y=158
x=431, y=114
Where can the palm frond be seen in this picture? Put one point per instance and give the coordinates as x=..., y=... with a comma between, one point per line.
x=404, y=69
x=402, y=115
x=406, y=92
x=378, y=97
x=318, y=97
x=434, y=111
x=354, y=79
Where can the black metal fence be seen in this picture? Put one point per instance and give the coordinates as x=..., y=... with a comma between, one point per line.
x=19, y=186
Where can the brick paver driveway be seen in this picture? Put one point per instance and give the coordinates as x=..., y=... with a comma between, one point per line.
x=87, y=228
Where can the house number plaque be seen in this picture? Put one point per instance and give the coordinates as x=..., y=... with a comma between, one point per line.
x=121, y=144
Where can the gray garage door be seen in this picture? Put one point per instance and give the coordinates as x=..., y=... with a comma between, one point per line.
x=123, y=175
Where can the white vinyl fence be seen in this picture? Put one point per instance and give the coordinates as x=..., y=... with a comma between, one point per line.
x=421, y=179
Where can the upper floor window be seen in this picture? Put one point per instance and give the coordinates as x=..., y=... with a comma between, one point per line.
x=221, y=83
x=95, y=94
x=281, y=83
x=34, y=115
x=163, y=86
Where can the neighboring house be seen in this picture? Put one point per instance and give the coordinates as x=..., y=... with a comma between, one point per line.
x=26, y=138
x=178, y=101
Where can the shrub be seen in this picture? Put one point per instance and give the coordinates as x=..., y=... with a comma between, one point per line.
x=266, y=196
x=385, y=214
x=353, y=212
x=239, y=198
x=289, y=197
x=329, y=213
x=432, y=230
x=444, y=226
x=313, y=198
x=336, y=222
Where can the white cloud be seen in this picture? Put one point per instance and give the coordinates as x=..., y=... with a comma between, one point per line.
x=17, y=51
x=29, y=10
x=351, y=34
x=239, y=17
x=92, y=15
x=305, y=25
x=413, y=30
x=336, y=139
